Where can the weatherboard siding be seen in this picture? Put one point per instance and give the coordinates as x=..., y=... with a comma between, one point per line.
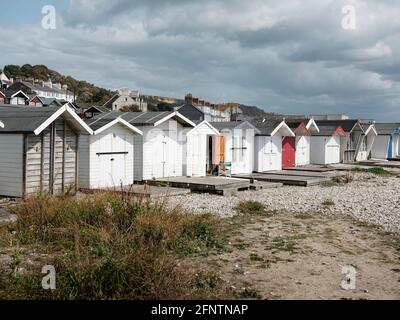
x=11, y=164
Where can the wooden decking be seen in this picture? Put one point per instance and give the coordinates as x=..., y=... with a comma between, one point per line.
x=288, y=177
x=217, y=185
x=145, y=190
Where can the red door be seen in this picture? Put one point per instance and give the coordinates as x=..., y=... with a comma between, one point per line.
x=288, y=152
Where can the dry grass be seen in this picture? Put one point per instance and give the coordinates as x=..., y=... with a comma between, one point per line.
x=111, y=246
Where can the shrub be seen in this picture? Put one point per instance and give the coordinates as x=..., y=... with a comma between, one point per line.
x=251, y=207
x=110, y=246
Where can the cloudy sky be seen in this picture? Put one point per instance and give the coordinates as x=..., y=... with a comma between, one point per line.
x=287, y=56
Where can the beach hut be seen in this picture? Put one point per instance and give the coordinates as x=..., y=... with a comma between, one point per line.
x=387, y=143
x=325, y=144
x=158, y=153
x=39, y=150
x=268, y=145
x=106, y=158
x=301, y=155
x=361, y=136
x=198, y=149
x=234, y=148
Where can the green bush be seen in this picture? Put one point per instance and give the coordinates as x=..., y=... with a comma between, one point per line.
x=251, y=207
x=108, y=246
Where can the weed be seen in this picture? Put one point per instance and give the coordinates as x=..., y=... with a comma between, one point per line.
x=251, y=207
x=328, y=203
x=256, y=257
x=248, y=293
x=374, y=170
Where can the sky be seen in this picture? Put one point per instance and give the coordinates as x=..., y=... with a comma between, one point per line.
x=286, y=56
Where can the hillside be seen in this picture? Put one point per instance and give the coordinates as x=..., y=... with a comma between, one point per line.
x=89, y=94
x=85, y=91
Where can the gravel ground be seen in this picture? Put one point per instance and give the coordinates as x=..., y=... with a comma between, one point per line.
x=370, y=198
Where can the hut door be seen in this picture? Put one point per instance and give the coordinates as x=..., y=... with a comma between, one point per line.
x=301, y=151
x=288, y=152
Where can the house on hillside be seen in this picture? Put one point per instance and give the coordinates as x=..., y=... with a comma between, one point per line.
x=94, y=111
x=198, y=110
x=158, y=153
x=126, y=98
x=39, y=150
x=268, y=144
x=2, y=97
x=4, y=81
x=44, y=89
x=15, y=97
x=387, y=143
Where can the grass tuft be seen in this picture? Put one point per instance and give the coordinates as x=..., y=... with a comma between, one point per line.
x=251, y=207
x=110, y=246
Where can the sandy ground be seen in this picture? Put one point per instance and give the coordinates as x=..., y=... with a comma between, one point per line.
x=288, y=256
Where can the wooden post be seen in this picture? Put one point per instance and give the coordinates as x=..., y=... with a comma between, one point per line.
x=52, y=153
x=24, y=164
x=76, y=162
x=63, y=157
x=41, y=161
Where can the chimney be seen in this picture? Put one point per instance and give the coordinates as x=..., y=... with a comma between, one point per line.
x=188, y=99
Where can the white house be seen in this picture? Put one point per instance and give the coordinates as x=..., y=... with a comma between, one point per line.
x=39, y=150
x=326, y=144
x=303, y=131
x=387, y=143
x=236, y=147
x=15, y=97
x=268, y=145
x=106, y=158
x=197, y=151
x=158, y=153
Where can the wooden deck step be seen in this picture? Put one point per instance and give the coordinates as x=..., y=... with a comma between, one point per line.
x=325, y=174
x=218, y=185
x=261, y=185
x=285, y=179
x=311, y=168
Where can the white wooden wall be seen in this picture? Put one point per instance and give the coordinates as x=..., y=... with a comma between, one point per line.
x=302, y=150
x=11, y=162
x=325, y=150
x=162, y=151
x=380, y=147
x=92, y=166
x=245, y=162
x=197, y=149
x=267, y=153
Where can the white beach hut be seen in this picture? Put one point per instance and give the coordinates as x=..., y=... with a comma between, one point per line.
x=325, y=144
x=106, y=158
x=303, y=130
x=158, y=153
x=39, y=150
x=387, y=143
x=268, y=145
x=236, y=147
x=197, y=151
